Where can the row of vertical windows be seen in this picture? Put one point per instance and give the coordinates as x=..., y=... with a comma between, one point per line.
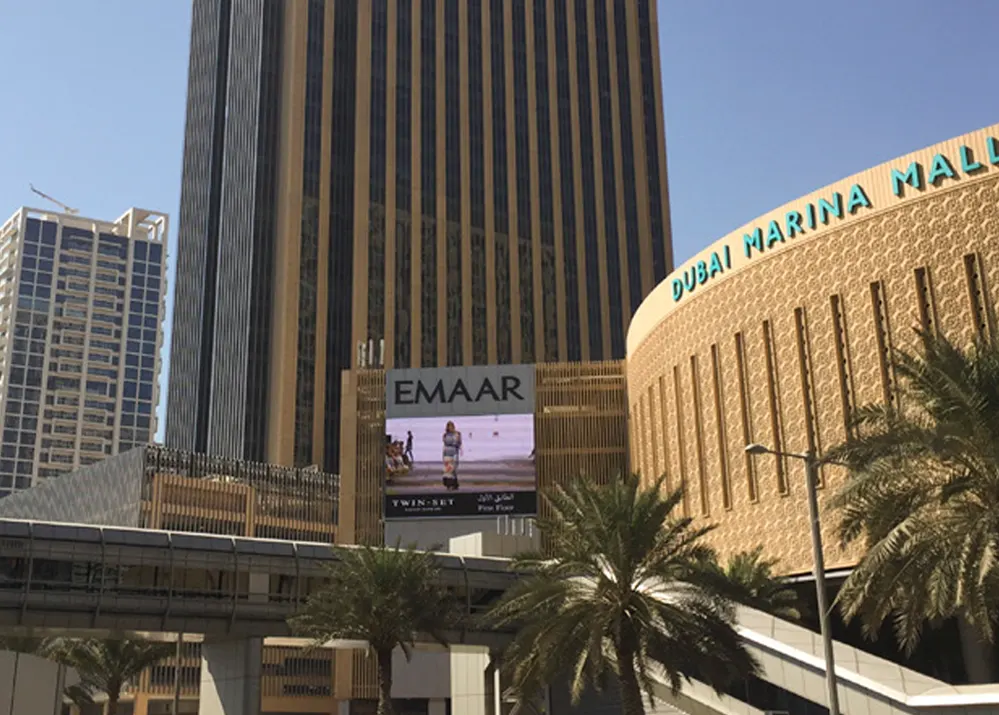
x=501, y=209
x=617, y=326
x=601, y=28
x=477, y=183
x=452, y=122
x=567, y=171
x=257, y=376
x=522, y=163
x=545, y=208
x=587, y=169
x=428, y=178
x=403, y=183
x=339, y=352
x=375, y=289
x=476, y=126
x=650, y=112
x=308, y=262
x=629, y=191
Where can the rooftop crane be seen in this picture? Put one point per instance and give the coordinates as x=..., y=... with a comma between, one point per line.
x=58, y=203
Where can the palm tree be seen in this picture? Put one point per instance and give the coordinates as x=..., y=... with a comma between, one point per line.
x=750, y=578
x=923, y=493
x=622, y=593
x=386, y=597
x=108, y=666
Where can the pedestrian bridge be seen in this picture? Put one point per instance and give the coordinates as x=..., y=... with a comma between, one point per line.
x=76, y=577
x=80, y=579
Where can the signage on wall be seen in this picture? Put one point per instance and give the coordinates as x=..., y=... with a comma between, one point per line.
x=459, y=442
x=836, y=207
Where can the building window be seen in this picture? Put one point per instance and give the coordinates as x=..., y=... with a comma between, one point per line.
x=567, y=174
x=545, y=189
x=587, y=170
x=522, y=163
x=498, y=30
x=428, y=180
x=650, y=110
x=403, y=184
x=613, y=253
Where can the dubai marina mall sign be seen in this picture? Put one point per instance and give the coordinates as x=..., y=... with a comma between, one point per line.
x=836, y=206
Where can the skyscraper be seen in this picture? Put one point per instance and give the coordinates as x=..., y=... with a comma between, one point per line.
x=81, y=308
x=405, y=183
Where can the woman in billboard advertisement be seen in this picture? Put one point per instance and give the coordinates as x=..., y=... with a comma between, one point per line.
x=451, y=455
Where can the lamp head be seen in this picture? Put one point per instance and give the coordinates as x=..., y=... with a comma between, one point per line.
x=756, y=449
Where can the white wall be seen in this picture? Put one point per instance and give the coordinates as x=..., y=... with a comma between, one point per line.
x=427, y=675
x=435, y=530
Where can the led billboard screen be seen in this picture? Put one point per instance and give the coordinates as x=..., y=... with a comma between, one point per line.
x=459, y=442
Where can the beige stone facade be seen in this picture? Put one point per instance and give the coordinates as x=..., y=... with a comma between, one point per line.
x=776, y=346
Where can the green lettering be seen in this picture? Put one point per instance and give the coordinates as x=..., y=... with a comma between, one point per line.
x=792, y=224
x=913, y=176
x=774, y=235
x=940, y=169
x=714, y=267
x=835, y=208
x=857, y=199
x=751, y=241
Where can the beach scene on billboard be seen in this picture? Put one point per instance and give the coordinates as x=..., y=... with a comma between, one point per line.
x=459, y=466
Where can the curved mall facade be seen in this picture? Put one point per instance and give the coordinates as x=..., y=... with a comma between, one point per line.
x=775, y=332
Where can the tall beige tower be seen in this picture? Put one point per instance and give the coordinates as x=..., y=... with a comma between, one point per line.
x=396, y=183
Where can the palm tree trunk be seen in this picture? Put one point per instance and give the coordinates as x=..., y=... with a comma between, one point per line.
x=385, y=682
x=979, y=663
x=631, y=691
x=114, y=693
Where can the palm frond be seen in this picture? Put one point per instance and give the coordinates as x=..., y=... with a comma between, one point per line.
x=922, y=490
x=622, y=591
x=387, y=597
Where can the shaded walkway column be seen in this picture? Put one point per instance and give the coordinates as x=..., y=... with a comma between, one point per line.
x=230, y=677
x=473, y=688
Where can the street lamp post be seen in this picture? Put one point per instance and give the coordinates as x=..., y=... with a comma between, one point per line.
x=821, y=595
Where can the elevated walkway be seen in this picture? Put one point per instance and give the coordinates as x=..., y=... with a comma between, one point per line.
x=102, y=579
x=71, y=578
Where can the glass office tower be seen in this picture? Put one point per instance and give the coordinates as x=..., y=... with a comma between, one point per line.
x=81, y=308
x=394, y=183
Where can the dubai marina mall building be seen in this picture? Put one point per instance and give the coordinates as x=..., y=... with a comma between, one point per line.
x=776, y=332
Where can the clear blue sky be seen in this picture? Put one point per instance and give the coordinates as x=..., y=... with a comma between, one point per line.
x=765, y=100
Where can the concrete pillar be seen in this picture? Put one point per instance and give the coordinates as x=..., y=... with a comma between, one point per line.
x=230, y=677
x=470, y=669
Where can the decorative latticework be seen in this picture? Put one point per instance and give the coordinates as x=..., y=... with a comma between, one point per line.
x=855, y=283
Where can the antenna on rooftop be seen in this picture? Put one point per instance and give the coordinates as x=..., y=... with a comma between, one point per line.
x=60, y=204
